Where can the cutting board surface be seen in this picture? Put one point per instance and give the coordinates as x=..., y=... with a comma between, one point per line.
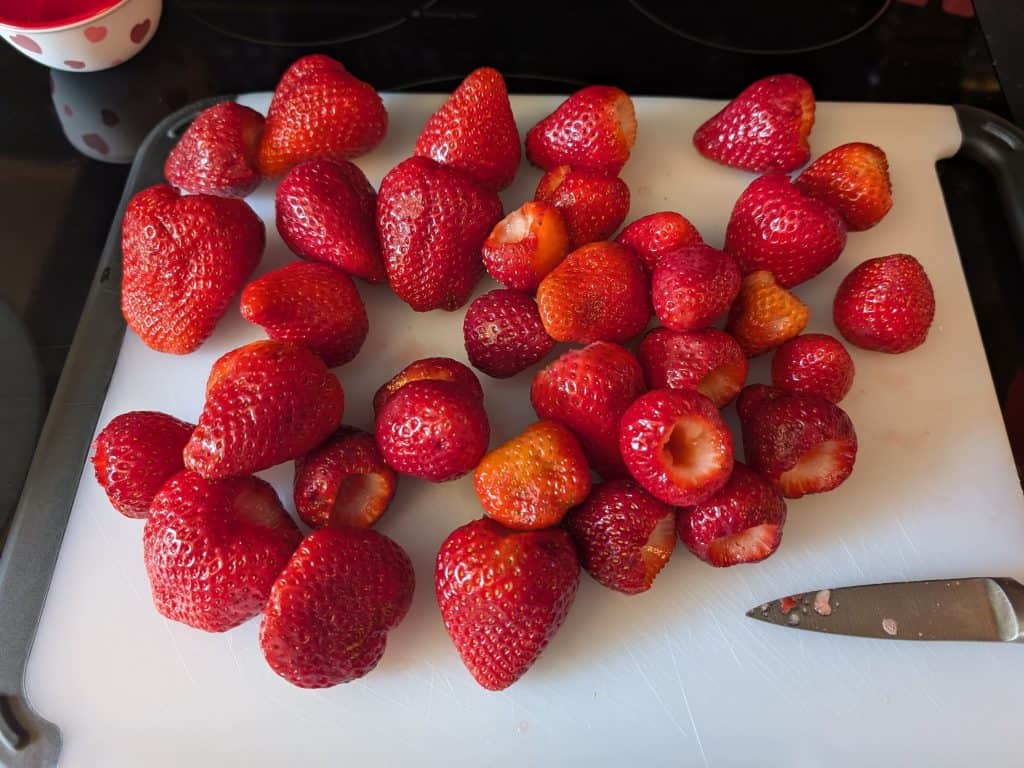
x=675, y=676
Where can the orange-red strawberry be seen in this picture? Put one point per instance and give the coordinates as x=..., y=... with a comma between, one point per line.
x=266, y=403
x=853, y=179
x=593, y=204
x=599, y=293
x=184, y=259
x=474, y=131
x=319, y=109
x=526, y=245
x=213, y=548
x=693, y=286
x=326, y=211
x=885, y=304
x=624, y=535
x=815, y=364
x=503, y=595
x=765, y=128
x=135, y=454
x=775, y=227
x=430, y=369
x=503, y=333
x=765, y=314
x=532, y=480
x=594, y=129
x=654, y=235
x=329, y=612
x=343, y=482
x=432, y=221
x=709, y=361
x=217, y=154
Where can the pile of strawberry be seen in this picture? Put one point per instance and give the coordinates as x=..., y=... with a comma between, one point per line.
x=219, y=546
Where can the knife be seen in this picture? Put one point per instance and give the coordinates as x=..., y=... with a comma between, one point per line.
x=979, y=609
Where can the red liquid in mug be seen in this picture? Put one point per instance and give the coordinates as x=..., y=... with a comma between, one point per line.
x=36, y=14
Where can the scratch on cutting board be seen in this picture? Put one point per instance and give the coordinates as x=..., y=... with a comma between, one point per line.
x=906, y=536
x=370, y=690
x=234, y=653
x=725, y=637
x=842, y=543
x=179, y=654
x=661, y=702
x=686, y=701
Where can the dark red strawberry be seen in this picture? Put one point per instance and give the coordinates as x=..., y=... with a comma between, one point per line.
x=652, y=236
x=709, y=361
x=754, y=396
x=504, y=334
x=693, y=286
x=815, y=364
x=213, y=548
x=430, y=369
x=853, y=179
x=526, y=245
x=184, y=259
x=503, y=595
x=593, y=204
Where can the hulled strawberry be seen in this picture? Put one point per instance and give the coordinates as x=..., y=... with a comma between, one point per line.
x=709, y=361
x=526, y=245
x=853, y=179
x=430, y=369
x=593, y=204
x=814, y=364
x=765, y=314
x=503, y=333
x=658, y=233
x=692, y=286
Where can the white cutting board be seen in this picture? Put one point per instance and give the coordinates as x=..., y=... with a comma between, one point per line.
x=676, y=676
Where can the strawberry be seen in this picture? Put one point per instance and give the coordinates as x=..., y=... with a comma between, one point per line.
x=474, y=131
x=765, y=314
x=313, y=305
x=599, y=293
x=815, y=364
x=266, y=403
x=214, y=547
x=432, y=221
x=526, y=245
x=624, y=535
x=135, y=454
x=885, y=304
x=853, y=179
x=503, y=595
x=588, y=390
x=676, y=445
x=434, y=430
x=593, y=130
x=709, y=361
x=504, y=334
x=754, y=396
x=319, y=109
x=184, y=259
x=742, y=523
x=430, y=369
x=775, y=227
x=652, y=236
x=217, y=154
x=344, y=482
x=592, y=204
x=765, y=128
x=802, y=443
x=330, y=610
x=532, y=480
x=326, y=212
x=692, y=286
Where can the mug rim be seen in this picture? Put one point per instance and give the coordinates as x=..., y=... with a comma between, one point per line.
x=68, y=22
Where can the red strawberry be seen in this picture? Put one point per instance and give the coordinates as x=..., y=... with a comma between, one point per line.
x=135, y=454
x=526, y=245
x=319, y=109
x=344, y=482
x=433, y=430
x=588, y=390
x=326, y=212
x=503, y=595
x=676, y=445
x=692, y=286
x=742, y=523
x=765, y=314
x=592, y=204
x=765, y=128
x=885, y=304
x=329, y=612
x=217, y=154
x=214, y=547
x=474, y=131
x=853, y=179
x=776, y=228
x=652, y=236
x=599, y=293
x=266, y=403
x=815, y=364
x=430, y=369
x=504, y=334
x=754, y=396
x=184, y=259
x=313, y=305
x=709, y=361
x=432, y=221
x=623, y=534
x=802, y=443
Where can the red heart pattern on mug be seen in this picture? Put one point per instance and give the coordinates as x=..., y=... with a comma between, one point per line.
x=95, y=34
x=27, y=43
x=139, y=31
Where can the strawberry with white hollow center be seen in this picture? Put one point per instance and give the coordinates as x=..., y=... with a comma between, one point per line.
x=525, y=245
x=710, y=361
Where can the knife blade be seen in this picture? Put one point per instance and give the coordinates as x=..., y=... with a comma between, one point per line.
x=975, y=609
